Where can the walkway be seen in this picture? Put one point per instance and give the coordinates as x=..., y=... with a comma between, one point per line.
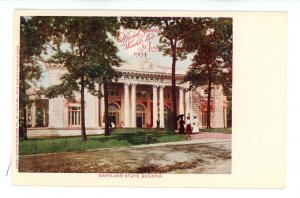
x=211, y=136
x=202, y=154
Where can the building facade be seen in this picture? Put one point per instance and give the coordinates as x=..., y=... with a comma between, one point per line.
x=142, y=97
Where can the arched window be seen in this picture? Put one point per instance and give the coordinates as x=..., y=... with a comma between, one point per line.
x=140, y=108
x=140, y=116
x=113, y=113
x=113, y=108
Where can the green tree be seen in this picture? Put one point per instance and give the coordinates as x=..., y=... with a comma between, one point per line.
x=211, y=40
x=31, y=47
x=104, y=75
x=89, y=58
x=172, y=31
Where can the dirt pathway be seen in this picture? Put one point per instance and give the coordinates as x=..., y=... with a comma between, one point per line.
x=183, y=157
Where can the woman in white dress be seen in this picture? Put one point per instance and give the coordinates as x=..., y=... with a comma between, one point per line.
x=195, y=125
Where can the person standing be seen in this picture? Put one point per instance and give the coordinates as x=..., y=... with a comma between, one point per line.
x=157, y=123
x=195, y=125
x=188, y=129
x=181, y=125
x=113, y=125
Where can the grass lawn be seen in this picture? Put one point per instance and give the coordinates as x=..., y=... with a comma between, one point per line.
x=119, y=138
x=219, y=130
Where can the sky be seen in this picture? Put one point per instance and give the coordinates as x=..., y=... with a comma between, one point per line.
x=137, y=44
x=133, y=46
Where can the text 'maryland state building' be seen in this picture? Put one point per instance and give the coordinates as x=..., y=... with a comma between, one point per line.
x=140, y=98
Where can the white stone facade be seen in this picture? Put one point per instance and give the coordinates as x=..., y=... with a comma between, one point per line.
x=140, y=98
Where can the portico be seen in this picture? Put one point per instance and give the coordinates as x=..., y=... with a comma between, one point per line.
x=146, y=103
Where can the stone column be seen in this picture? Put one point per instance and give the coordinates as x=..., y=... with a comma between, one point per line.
x=191, y=104
x=44, y=121
x=126, y=105
x=133, y=105
x=154, y=106
x=187, y=104
x=181, y=105
x=161, y=107
x=102, y=107
x=33, y=116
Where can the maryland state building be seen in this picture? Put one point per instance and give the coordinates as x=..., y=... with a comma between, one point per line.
x=140, y=98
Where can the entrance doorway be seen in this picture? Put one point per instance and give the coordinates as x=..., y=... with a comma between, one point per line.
x=112, y=119
x=139, y=121
x=113, y=114
x=140, y=116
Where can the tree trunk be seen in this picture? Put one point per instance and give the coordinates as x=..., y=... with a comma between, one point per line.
x=24, y=132
x=24, y=124
x=83, y=132
x=173, y=80
x=209, y=95
x=106, y=131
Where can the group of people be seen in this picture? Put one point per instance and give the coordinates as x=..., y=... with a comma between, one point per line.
x=187, y=127
x=191, y=127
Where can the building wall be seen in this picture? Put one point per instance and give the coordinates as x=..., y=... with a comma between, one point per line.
x=195, y=105
x=218, y=120
x=91, y=110
x=58, y=107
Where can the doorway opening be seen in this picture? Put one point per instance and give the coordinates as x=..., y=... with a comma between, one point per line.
x=113, y=114
x=140, y=116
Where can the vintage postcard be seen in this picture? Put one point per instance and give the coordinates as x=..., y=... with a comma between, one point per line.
x=149, y=98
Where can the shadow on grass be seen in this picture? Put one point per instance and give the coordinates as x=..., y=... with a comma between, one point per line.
x=136, y=138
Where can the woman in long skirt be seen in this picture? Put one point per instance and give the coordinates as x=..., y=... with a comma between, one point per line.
x=188, y=129
x=181, y=125
x=195, y=125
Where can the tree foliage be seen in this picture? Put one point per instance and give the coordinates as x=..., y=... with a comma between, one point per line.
x=211, y=40
x=88, y=58
x=31, y=47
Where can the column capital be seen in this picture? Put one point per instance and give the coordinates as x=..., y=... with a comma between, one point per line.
x=186, y=89
x=161, y=86
x=126, y=83
x=133, y=84
x=155, y=86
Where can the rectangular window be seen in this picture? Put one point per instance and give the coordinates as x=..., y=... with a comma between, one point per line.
x=141, y=94
x=113, y=93
x=167, y=95
x=74, y=116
